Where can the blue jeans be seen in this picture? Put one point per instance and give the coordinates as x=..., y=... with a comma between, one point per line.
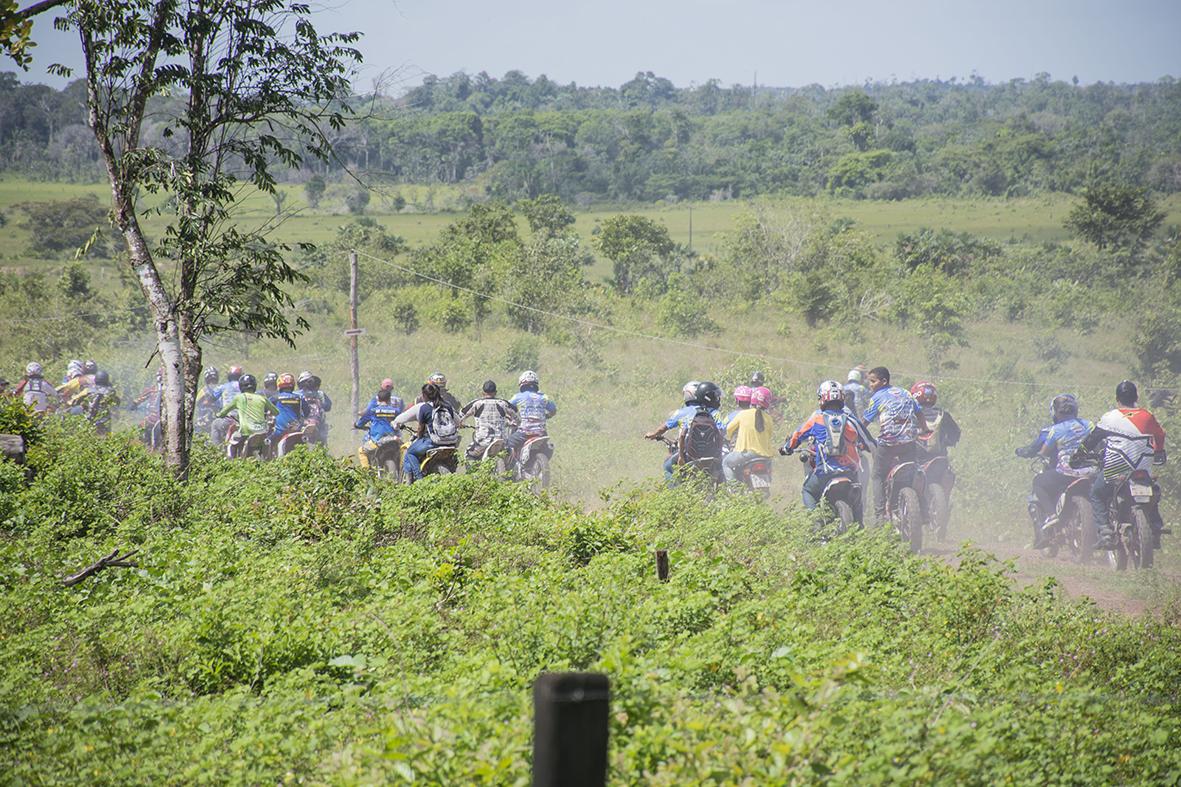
x=813, y=490
x=1101, y=492
x=670, y=465
x=412, y=464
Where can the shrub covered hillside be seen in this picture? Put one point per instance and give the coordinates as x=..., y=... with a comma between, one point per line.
x=299, y=622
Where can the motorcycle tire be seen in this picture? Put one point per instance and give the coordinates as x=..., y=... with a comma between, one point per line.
x=938, y=511
x=844, y=515
x=1143, y=535
x=540, y=472
x=910, y=518
x=392, y=470
x=1118, y=558
x=1074, y=528
x=1086, y=534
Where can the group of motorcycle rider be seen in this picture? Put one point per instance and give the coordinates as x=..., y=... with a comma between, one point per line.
x=1126, y=440
x=912, y=428
x=436, y=417
x=85, y=390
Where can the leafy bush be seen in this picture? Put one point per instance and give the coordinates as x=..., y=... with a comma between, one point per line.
x=298, y=621
x=522, y=353
x=16, y=418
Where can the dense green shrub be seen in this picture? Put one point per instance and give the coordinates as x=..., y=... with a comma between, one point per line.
x=299, y=621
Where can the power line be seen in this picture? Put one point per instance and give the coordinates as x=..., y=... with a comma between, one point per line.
x=707, y=347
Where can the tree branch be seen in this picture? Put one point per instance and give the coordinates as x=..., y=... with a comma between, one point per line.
x=38, y=8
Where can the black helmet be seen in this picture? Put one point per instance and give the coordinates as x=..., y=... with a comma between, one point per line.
x=247, y=383
x=102, y=378
x=709, y=395
x=1064, y=407
x=757, y=379
x=270, y=380
x=490, y=387
x=90, y=367
x=211, y=374
x=1126, y=393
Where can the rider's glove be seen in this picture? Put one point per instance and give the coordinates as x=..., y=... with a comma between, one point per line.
x=1078, y=459
x=1024, y=452
x=784, y=450
x=1159, y=457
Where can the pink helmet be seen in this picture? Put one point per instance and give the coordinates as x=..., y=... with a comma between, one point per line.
x=742, y=394
x=761, y=397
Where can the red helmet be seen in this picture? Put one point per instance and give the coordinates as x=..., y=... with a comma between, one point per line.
x=234, y=373
x=742, y=394
x=287, y=381
x=924, y=393
x=386, y=385
x=761, y=397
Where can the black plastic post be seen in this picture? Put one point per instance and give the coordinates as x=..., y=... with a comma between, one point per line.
x=570, y=715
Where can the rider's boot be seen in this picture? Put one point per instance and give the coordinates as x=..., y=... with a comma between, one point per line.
x=1039, y=521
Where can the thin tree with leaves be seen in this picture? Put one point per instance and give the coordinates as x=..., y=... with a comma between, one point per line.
x=240, y=87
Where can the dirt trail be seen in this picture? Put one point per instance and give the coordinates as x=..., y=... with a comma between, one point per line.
x=1078, y=581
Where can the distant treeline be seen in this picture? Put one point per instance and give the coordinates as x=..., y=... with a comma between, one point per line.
x=649, y=140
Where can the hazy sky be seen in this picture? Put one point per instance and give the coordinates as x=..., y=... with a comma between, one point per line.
x=606, y=42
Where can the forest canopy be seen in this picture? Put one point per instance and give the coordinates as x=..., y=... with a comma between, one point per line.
x=650, y=140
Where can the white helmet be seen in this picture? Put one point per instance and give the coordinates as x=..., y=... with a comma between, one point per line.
x=528, y=377
x=305, y=377
x=33, y=369
x=73, y=369
x=439, y=379
x=690, y=390
x=854, y=376
x=830, y=391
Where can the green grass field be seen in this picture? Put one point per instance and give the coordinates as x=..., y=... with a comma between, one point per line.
x=611, y=387
x=1032, y=219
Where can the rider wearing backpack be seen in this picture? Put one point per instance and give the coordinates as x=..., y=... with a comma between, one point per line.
x=834, y=436
x=438, y=426
x=696, y=441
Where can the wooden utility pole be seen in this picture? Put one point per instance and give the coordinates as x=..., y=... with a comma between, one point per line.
x=353, y=333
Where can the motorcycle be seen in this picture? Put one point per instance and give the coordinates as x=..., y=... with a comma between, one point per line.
x=1129, y=514
x=710, y=466
x=937, y=483
x=286, y=442
x=386, y=458
x=904, y=491
x=532, y=462
x=495, y=451
x=842, y=493
x=253, y=446
x=1073, y=528
x=755, y=473
x=440, y=460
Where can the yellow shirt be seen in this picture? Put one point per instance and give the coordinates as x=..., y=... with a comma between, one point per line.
x=749, y=438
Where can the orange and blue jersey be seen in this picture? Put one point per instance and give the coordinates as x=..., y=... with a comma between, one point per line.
x=844, y=456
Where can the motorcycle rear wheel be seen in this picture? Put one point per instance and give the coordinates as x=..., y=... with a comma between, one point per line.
x=910, y=518
x=1143, y=534
x=938, y=511
x=844, y=515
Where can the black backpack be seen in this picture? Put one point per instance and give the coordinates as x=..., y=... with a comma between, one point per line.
x=701, y=438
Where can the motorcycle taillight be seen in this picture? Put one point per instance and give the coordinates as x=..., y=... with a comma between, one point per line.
x=1141, y=477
